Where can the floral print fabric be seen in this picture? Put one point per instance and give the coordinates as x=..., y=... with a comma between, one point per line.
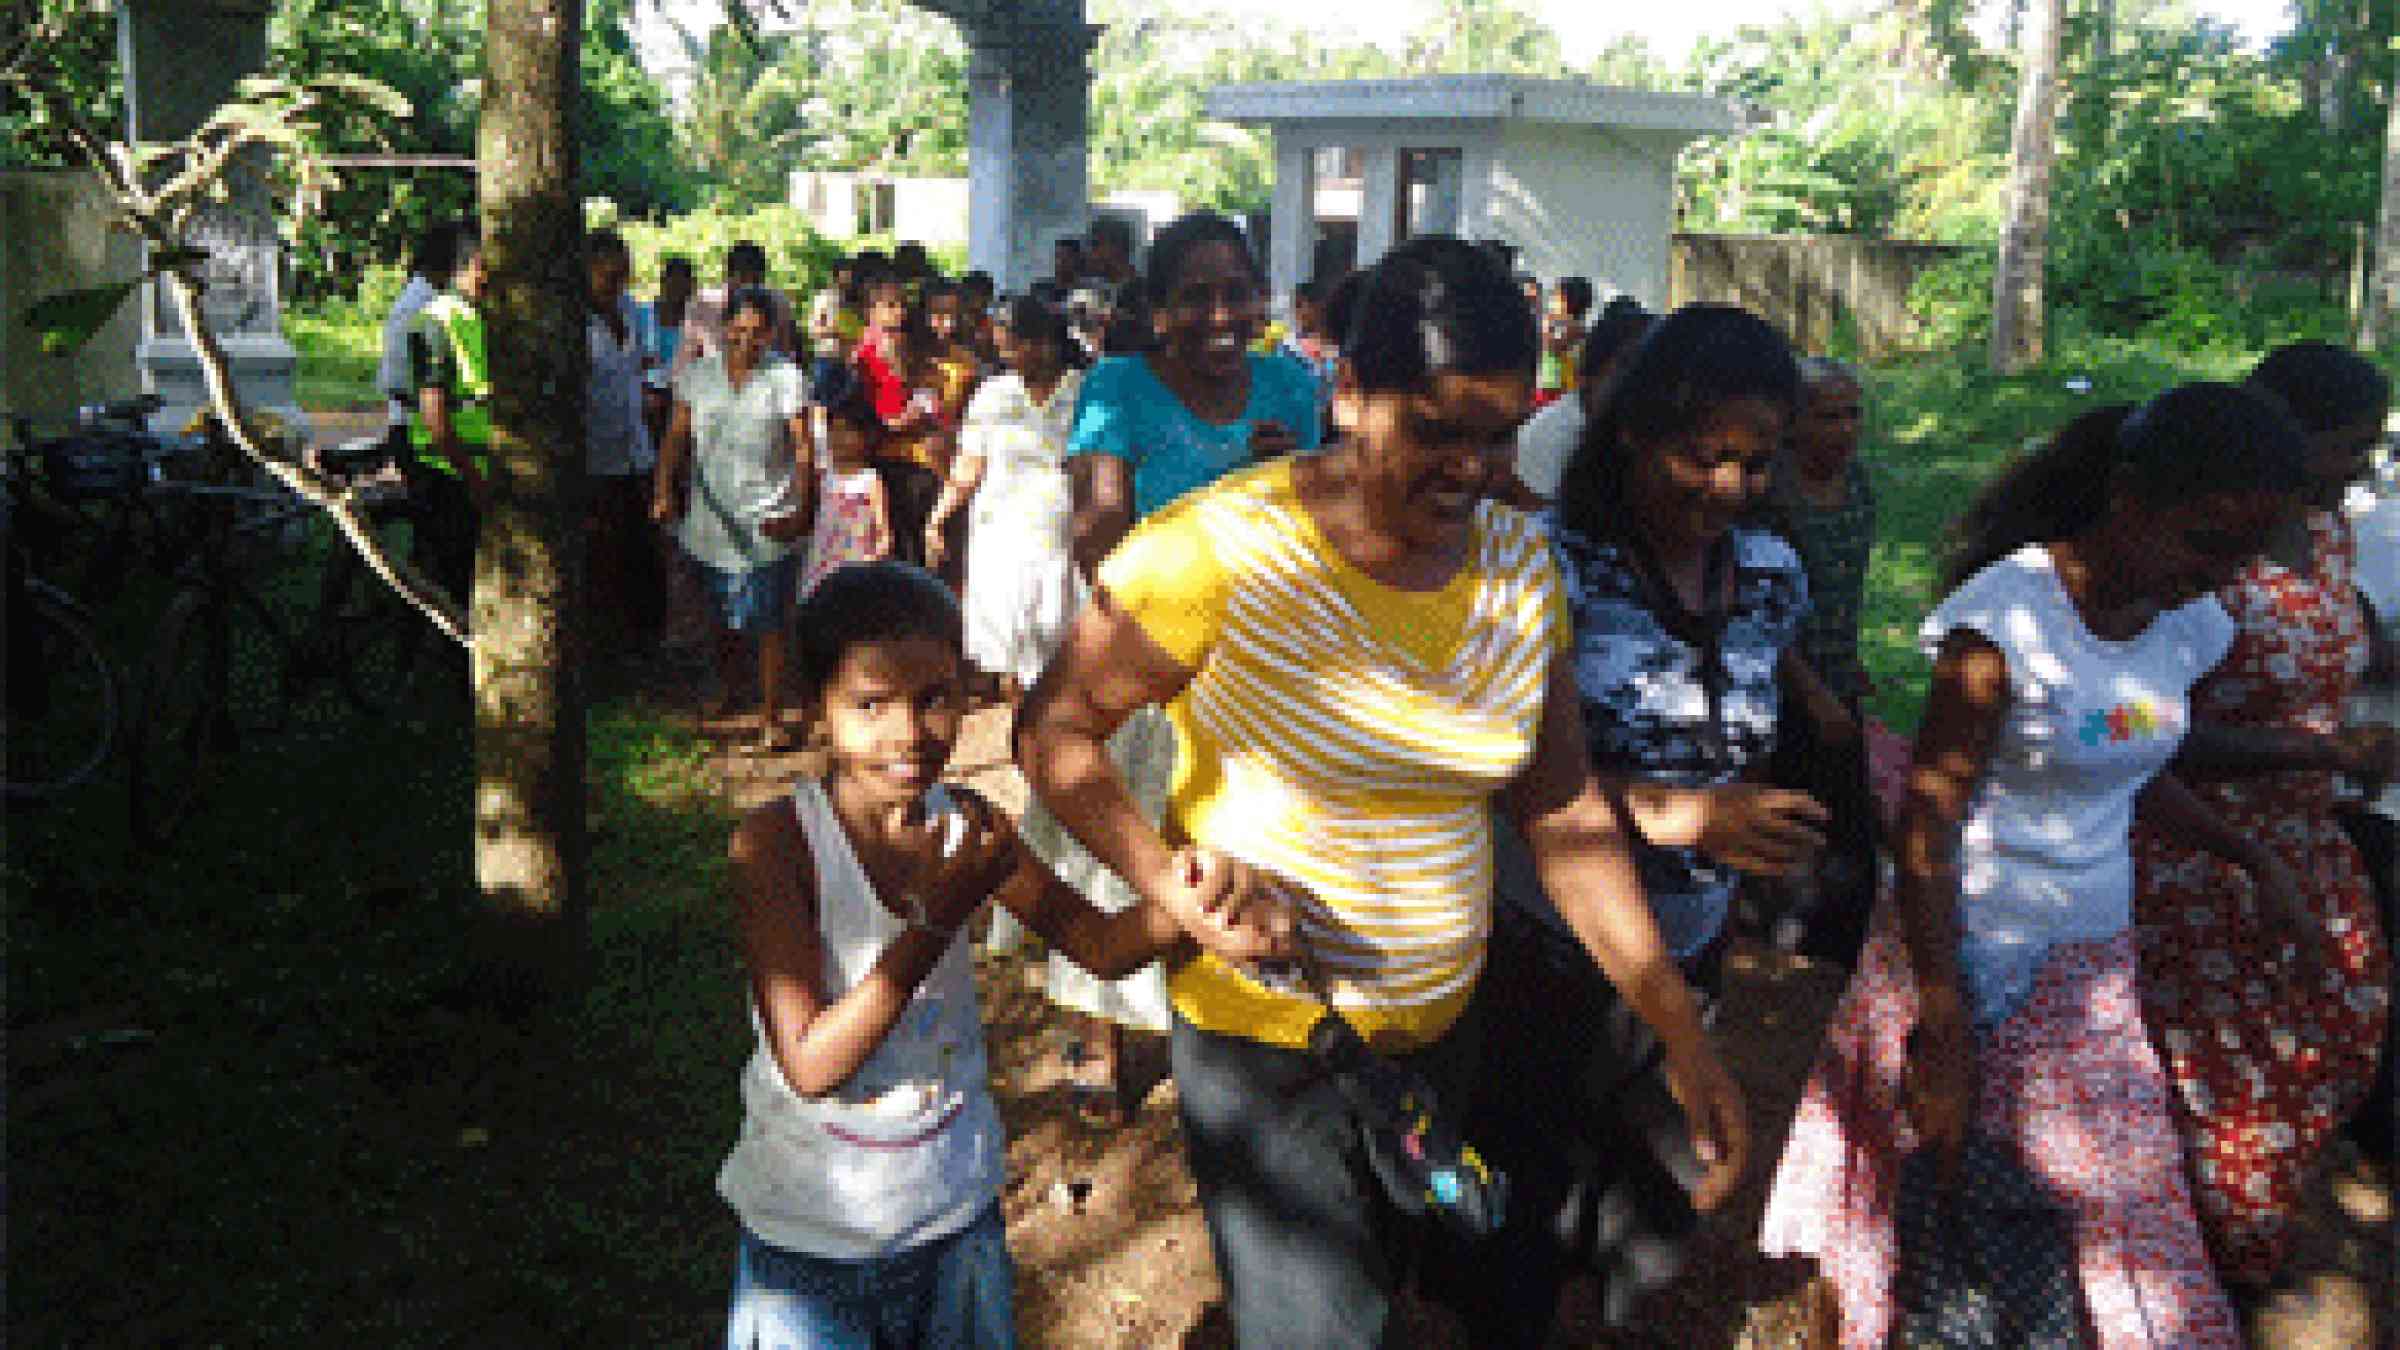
x=2265, y=1071
x=2071, y=1081
x=1647, y=710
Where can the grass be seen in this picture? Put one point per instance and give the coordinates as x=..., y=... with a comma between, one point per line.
x=257, y=1095
x=339, y=346
x=1937, y=428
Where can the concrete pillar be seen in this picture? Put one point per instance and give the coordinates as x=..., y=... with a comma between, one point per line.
x=1379, y=203
x=1291, y=251
x=181, y=59
x=1029, y=97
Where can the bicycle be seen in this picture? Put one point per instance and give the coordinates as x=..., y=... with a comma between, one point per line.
x=234, y=658
x=91, y=480
x=391, y=657
x=59, y=692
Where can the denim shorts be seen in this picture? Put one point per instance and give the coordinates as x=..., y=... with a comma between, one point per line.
x=754, y=600
x=954, y=1293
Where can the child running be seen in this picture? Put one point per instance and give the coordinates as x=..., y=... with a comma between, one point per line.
x=867, y=1175
x=854, y=518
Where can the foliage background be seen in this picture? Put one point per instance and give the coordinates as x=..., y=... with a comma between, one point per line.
x=2207, y=195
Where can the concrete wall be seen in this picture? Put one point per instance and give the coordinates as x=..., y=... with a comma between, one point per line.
x=928, y=210
x=1583, y=201
x=53, y=238
x=1811, y=285
x=1380, y=143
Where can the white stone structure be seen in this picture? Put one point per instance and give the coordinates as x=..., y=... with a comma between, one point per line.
x=845, y=205
x=181, y=59
x=1028, y=103
x=1580, y=178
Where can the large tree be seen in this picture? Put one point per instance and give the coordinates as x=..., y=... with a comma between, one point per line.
x=2017, y=308
x=2383, y=293
x=530, y=840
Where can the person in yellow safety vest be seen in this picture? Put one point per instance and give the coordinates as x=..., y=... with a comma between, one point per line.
x=452, y=431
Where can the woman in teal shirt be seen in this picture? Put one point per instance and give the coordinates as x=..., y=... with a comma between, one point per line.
x=1152, y=427
x=1149, y=428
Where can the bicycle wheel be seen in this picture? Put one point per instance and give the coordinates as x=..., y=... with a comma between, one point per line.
x=58, y=697
x=269, y=685
x=390, y=656
x=179, y=724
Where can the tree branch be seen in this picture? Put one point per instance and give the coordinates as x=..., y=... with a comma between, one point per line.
x=156, y=218
x=336, y=501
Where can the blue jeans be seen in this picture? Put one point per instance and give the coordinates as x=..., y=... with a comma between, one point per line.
x=954, y=1293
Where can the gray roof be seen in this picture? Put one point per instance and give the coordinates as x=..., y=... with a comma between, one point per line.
x=1471, y=98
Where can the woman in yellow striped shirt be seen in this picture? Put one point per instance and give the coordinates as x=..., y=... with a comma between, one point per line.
x=1359, y=653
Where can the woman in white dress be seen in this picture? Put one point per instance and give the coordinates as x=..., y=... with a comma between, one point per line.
x=1022, y=593
x=1011, y=465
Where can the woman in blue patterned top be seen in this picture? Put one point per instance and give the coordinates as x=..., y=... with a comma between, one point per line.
x=1686, y=629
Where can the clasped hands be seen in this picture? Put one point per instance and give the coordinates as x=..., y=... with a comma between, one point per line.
x=1240, y=913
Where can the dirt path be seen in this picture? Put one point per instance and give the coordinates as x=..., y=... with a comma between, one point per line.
x=1111, y=1251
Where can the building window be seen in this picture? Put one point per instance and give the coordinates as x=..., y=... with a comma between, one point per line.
x=1430, y=185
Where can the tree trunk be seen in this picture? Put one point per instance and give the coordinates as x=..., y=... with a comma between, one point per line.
x=2025, y=238
x=530, y=845
x=2383, y=292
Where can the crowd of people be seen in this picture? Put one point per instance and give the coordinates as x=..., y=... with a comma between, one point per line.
x=1419, y=697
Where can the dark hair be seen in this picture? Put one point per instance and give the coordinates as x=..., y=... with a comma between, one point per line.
x=869, y=264
x=1341, y=304
x=466, y=245
x=910, y=259
x=746, y=298
x=1172, y=250
x=1026, y=317
x=1577, y=292
x=1690, y=362
x=1433, y=304
x=866, y=602
x=2323, y=386
x=606, y=244
x=673, y=263
x=1067, y=241
x=2191, y=441
x=842, y=392
x=1113, y=230
x=978, y=280
x=1622, y=323
x=1310, y=290
x=435, y=254
x=746, y=257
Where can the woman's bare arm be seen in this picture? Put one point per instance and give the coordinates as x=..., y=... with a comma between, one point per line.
x=668, y=483
x=1103, y=487
x=1106, y=669
x=1583, y=852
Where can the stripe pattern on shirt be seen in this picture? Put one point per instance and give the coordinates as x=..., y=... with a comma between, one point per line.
x=1352, y=766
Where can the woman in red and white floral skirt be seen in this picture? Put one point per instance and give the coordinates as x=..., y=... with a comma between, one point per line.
x=2266, y=1069
x=1995, y=1002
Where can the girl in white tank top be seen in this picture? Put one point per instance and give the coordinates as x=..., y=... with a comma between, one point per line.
x=868, y=1171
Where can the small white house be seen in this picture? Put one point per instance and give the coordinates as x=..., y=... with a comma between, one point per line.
x=1580, y=178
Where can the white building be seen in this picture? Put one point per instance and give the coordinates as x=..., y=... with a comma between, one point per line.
x=1580, y=178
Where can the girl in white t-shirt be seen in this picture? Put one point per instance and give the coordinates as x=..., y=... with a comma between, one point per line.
x=867, y=1175
x=1996, y=998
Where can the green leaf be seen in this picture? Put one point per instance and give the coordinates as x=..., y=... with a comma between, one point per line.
x=66, y=321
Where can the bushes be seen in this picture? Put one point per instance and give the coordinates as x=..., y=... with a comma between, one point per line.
x=2148, y=291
